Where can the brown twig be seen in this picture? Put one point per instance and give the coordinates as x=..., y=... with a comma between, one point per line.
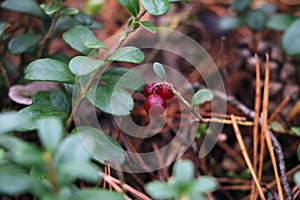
x=279, y=108
x=246, y=157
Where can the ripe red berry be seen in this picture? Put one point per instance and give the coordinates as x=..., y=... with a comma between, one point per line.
x=164, y=92
x=155, y=105
x=148, y=89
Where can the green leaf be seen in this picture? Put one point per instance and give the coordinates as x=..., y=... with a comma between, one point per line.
x=256, y=19
x=99, y=194
x=110, y=99
x=35, y=112
x=291, y=39
x=53, y=8
x=94, y=44
x=50, y=131
x=231, y=22
x=160, y=190
x=13, y=181
x=280, y=22
x=156, y=7
x=23, y=43
x=148, y=26
x=22, y=152
x=241, y=5
x=183, y=171
x=202, y=96
x=296, y=130
x=298, y=152
x=297, y=178
x=83, y=65
x=47, y=69
x=101, y=146
x=128, y=54
x=25, y=6
x=54, y=98
x=124, y=77
x=204, y=184
x=132, y=6
x=71, y=150
x=69, y=172
x=10, y=121
x=78, y=37
x=68, y=11
x=84, y=19
x=276, y=126
x=3, y=27
x=159, y=71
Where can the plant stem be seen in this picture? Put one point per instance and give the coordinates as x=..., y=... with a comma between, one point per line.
x=96, y=73
x=183, y=101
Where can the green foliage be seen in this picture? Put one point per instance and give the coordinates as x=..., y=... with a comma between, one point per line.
x=124, y=77
x=128, y=54
x=182, y=185
x=291, y=39
x=156, y=7
x=83, y=65
x=202, y=96
x=47, y=69
x=26, y=6
x=23, y=43
x=80, y=38
x=264, y=17
x=132, y=6
x=159, y=71
x=110, y=99
x=50, y=167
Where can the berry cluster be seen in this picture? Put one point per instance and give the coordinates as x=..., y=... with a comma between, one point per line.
x=156, y=95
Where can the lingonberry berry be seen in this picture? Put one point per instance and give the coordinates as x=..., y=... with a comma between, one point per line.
x=155, y=105
x=148, y=89
x=164, y=92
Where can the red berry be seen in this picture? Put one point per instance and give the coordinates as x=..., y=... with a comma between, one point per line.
x=148, y=89
x=164, y=92
x=155, y=105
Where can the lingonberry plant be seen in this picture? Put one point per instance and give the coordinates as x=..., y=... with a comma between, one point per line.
x=50, y=168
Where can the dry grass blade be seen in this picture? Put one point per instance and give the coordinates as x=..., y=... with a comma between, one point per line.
x=256, y=124
x=265, y=126
x=246, y=156
x=294, y=111
x=279, y=108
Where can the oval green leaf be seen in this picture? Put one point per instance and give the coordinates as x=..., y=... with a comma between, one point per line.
x=101, y=194
x=110, y=99
x=23, y=43
x=156, y=7
x=159, y=71
x=183, y=171
x=3, y=27
x=291, y=39
x=50, y=131
x=68, y=11
x=25, y=6
x=103, y=147
x=241, y=5
x=53, y=8
x=77, y=37
x=204, y=184
x=71, y=150
x=160, y=190
x=124, y=77
x=256, y=19
x=83, y=65
x=35, y=112
x=296, y=130
x=128, y=54
x=297, y=178
x=10, y=121
x=132, y=6
x=15, y=181
x=149, y=26
x=201, y=97
x=22, y=152
x=280, y=22
x=54, y=98
x=47, y=69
